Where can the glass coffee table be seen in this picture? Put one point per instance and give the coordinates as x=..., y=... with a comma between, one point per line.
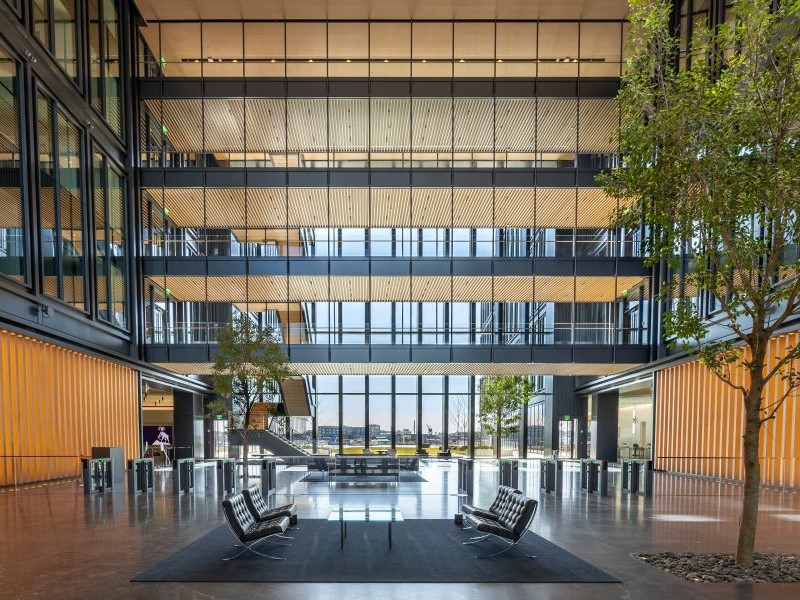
x=362, y=514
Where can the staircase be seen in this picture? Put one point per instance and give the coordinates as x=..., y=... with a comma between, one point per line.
x=269, y=442
x=295, y=397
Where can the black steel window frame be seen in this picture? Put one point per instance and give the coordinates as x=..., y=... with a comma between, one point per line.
x=24, y=179
x=55, y=109
x=108, y=163
x=102, y=86
x=49, y=45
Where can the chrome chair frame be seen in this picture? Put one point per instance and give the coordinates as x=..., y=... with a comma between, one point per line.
x=510, y=543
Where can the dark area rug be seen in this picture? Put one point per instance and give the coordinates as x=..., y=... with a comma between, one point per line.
x=424, y=551
x=405, y=477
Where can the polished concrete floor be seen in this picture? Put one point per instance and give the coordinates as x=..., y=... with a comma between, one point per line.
x=57, y=542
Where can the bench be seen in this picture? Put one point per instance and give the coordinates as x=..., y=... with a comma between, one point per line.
x=509, y=521
x=247, y=530
x=261, y=512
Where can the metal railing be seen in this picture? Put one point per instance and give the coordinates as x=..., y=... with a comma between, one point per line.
x=602, y=334
x=212, y=245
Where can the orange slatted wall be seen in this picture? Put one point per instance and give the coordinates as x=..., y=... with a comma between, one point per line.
x=55, y=405
x=699, y=423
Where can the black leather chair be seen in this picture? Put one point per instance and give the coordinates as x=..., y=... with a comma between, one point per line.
x=513, y=520
x=261, y=512
x=503, y=492
x=248, y=531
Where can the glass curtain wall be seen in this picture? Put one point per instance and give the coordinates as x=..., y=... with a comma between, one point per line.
x=12, y=214
x=105, y=82
x=418, y=407
x=55, y=25
x=111, y=265
x=62, y=203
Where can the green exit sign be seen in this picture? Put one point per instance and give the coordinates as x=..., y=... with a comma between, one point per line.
x=218, y=417
x=566, y=418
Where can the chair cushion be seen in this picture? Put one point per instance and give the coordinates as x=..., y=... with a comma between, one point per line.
x=489, y=526
x=266, y=528
x=238, y=514
x=468, y=509
x=287, y=510
x=515, y=513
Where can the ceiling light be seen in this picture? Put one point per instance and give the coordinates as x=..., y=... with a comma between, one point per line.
x=310, y=60
x=234, y=60
x=348, y=60
x=462, y=60
x=499, y=60
x=272, y=61
x=385, y=60
x=209, y=59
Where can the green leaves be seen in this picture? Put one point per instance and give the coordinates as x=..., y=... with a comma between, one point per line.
x=710, y=145
x=248, y=366
x=501, y=399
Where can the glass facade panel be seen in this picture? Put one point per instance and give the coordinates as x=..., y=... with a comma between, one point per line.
x=558, y=43
x=12, y=216
x=223, y=49
x=111, y=257
x=105, y=83
x=61, y=204
x=70, y=209
x=55, y=25
x=179, y=51
x=390, y=49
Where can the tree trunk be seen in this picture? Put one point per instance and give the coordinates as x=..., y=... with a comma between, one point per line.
x=752, y=472
x=245, y=448
x=499, y=436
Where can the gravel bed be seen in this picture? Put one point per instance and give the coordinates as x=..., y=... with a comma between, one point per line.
x=712, y=568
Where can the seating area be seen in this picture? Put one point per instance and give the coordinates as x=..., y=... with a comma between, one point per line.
x=252, y=522
x=508, y=518
x=379, y=468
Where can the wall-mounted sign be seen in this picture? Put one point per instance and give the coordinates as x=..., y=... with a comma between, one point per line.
x=566, y=418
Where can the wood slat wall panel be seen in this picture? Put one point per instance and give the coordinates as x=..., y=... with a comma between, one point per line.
x=10, y=208
x=515, y=124
x=515, y=207
x=431, y=207
x=557, y=125
x=389, y=124
x=599, y=121
x=58, y=402
x=264, y=289
x=270, y=133
x=700, y=422
x=387, y=207
x=390, y=207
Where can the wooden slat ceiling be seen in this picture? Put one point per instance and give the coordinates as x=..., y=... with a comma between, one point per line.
x=385, y=207
x=10, y=208
x=414, y=368
x=388, y=124
x=265, y=289
x=382, y=10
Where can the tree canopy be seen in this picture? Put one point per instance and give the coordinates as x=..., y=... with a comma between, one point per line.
x=247, y=369
x=710, y=165
x=501, y=400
